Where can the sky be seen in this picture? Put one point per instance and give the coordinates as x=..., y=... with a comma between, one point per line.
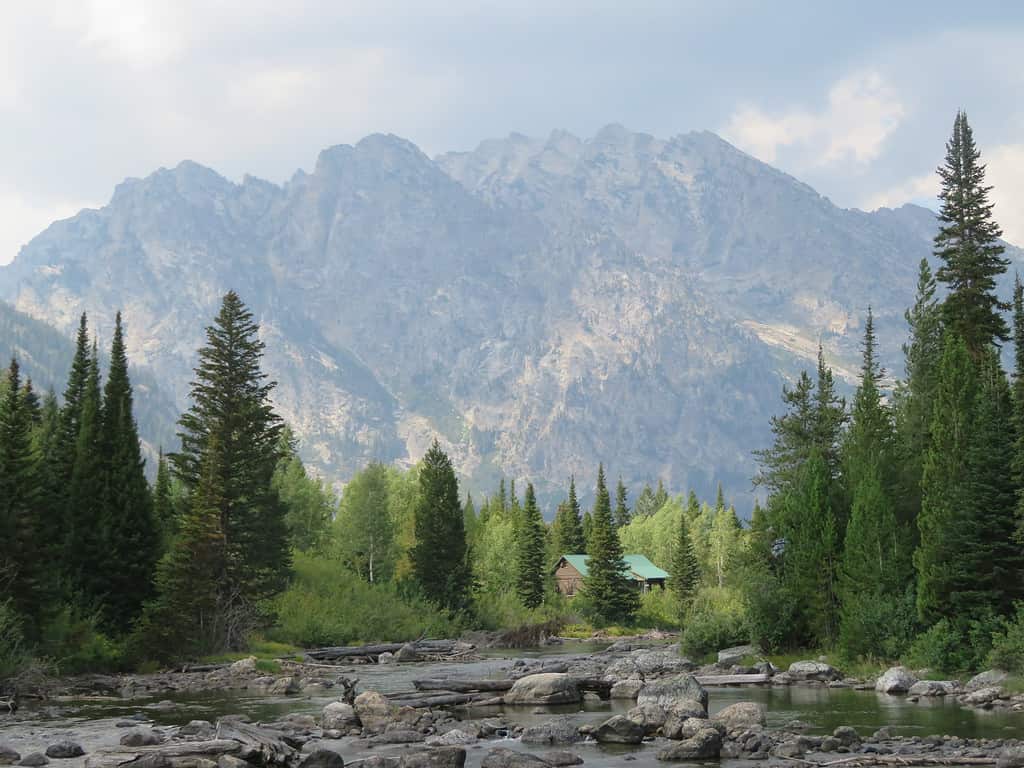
x=854, y=98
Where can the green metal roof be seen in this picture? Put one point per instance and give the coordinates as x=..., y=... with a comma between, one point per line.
x=638, y=565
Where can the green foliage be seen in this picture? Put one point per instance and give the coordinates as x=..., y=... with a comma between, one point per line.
x=530, y=570
x=621, y=515
x=567, y=529
x=659, y=609
x=310, y=503
x=1008, y=644
x=610, y=595
x=327, y=604
x=13, y=655
x=365, y=530
x=717, y=619
x=684, y=574
x=954, y=647
x=73, y=643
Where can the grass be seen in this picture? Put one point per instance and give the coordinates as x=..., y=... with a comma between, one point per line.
x=266, y=652
x=584, y=631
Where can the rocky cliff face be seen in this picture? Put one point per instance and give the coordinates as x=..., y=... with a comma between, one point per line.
x=539, y=305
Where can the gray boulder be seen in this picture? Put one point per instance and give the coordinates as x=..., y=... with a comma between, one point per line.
x=689, y=727
x=650, y=717
x=338, y=716
x=199, y=729
x=987, y=679
x=895, y=680
x=729, y=656
x=982, y=697
x=813, y=670
x=560, y=759
x=544, y=688
x=323, y=758
x=438, y=757
x=935, y=688
x=141, y=737
x=670, y=690
x=703, y=745
x=285, y=686
x=64, y=750
x=453, y=738
x=35, y=760
x=386, y=658
x=373, y=711
x=619, y=729
x=627, y=689
x=559, y=730
x=501, y=757
x=8, y=754
x=246, y=666
x=1011, y=757
x=742, y=714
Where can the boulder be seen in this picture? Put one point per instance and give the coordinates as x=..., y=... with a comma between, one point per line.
x=619, y=729
x=246, y=666
x=544, y=688
x=199, y=729
x=627, y=689
x=729, y=656
x=323, y=758
x=742, y=714
x=703, y=745
x=373, y=711
x=687, y=728
x=987, y=679
x=285, y=686
x=670, y=690
x=935, y=688
x=559, y=730
x=141, y=737
x=895, y=680
x=230, y=761
x=560, y=759
x=453, y=738
x=982, y=696
x=655, y=662
x=408, y=653
x=35, y=760
x=8, y=754
x=846, y=735
x=338, y=716
x=438, y=757
x=650, y=717
x=64, y=750
x=386, y=658
x=501, y=757
x=1011, y=757
x=813, y=670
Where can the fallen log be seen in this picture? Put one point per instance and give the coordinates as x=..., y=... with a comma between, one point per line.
x=866, y=761
x=114, y=757
x=258, y=745
x=445, y=700
x=353, y=651
x=755, y=679
x=462, y=686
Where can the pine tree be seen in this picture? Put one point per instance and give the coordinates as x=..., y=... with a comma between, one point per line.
x=21, y=577
x=621, y=516
x=502, y=497
x=645, y=504
x=968, y=244
x=530, y=553
x=945, y=556
x=793, y=438
x=50, y=521
x=1018, y=402
x=132, y=537
x=439, y=555
x=660, y=496
x=231, y=407
x=692, y=506
x=567, y=530
x=163, y=502
x=829, y=417
x=608, y=589
x=684, y=573
x=719, y=499
x=588, y=528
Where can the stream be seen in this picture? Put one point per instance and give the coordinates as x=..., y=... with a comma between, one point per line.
x=93, y=721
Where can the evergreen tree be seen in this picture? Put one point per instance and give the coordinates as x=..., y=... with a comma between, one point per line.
x=660, y=496
x=567, y=530
x=607, y=586
x=163, y=501
x=645, y=504
x=530, y=553
x=692, y=510
x=945, y=557
x=829, y=417
x=588, y=528
x=310, y=504
x=968, y=244
x=231, y=407
x=621, y=517
x=502, y=497
x=132, y=537
x=719, y=499
x=470, y=521
x=1018, y=402
x=684, y=573
x=21, y=577
x=793, y=438
x=50, y=522
x=439, y=555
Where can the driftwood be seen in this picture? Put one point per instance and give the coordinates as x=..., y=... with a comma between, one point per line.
x=428, y=647
x=115, y=757
x=446, y=700
x=260, y=745
x=10, y=703
x=204, y=667
x=462, y=686
x=732, y=679
x=865, y=761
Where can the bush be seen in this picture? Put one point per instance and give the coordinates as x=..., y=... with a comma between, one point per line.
x=327, y=604
x=955, y=647
x=716, y=620
x=74, y=644
x=658, y=610
x=1008, y=644
x=12, y=651
x=772, y=619
x=875, y=626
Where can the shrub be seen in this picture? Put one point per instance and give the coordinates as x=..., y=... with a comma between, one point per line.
x=716, y=620
x=74, y=644
x=771, y=613
x=1008, y=644
x=876, y=626
x=658, y=610
x=12, y=651
x=955, y=647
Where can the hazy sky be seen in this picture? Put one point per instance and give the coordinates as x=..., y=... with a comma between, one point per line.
x=855, y=98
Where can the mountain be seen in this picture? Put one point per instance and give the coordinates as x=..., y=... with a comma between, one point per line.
x=538, y=304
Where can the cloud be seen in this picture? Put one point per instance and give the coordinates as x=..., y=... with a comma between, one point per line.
x=860, y=113
x=1006, y=175
x=917, y=189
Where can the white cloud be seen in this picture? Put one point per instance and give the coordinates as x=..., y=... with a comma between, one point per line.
x=23, y=220
x=917, y=189
x=861, y=112
x=1006, y=175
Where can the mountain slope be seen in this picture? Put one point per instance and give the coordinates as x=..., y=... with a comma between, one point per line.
x=539, y=304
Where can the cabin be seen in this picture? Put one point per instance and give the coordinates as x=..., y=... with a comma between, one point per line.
x=571, y=570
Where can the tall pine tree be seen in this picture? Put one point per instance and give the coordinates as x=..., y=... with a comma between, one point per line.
x=567, y=529
x=530, y=553
x=607, y=586
x=684, y=572
x=622, y=516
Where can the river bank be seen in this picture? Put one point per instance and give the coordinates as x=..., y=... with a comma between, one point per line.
x=605, y=705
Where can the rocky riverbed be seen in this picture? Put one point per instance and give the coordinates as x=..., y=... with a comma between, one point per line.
x=624, y=703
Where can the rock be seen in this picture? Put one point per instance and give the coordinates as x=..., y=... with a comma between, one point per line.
x=285, y=686
x=500, y=757
x=627, y=689
x=689, y=727
x=559, y=730
x=35, y=760
x=399, y=735
x=884, y=733
x=386, y=658
x=703, y=745
x=156, y=760
x=338, y=716
x=656, y=662
x=741, y=715
x=323, y=758
x=230, y=761
x=453, y=738
x=813, y=670
x=200, y=729
x=648, y=716
x=619, y=729
x=982, y=696
x=141, y=737
x=895, y=680
x=544, y=688
x=935, y=688
x=8, y=754
x=670, y=690
x=373, y=711
x=729, y=656
x=561, y=759
x=1011, y=757
x=794, y=748
x=64, y=750
x=987, y=679
x=846, y=735
x=439, y=757
x=680, y=712
x=407, y=653
x=246, y=666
